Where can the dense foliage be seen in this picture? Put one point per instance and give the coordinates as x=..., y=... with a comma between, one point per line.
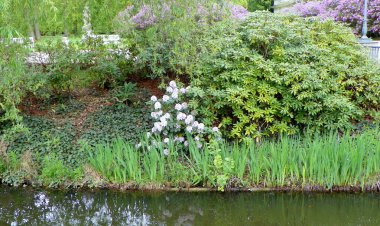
x=16, y=81
x=80, y=64
x=346, y=11
x=165, y=36
x=253, y=5
x=276, y=74
x=311, y=162
x=54, y=17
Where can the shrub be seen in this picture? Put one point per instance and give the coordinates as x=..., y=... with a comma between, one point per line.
x=277, y=73
x=174, y=121
x=165, y=36
x=16, y=81
x=254, y=5
x=81, y=64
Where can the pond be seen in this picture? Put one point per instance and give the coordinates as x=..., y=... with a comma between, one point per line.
x=35, y=207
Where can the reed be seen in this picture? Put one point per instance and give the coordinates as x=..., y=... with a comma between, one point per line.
x=311, y=160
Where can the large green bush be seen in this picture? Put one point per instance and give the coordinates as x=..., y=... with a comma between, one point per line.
x=279, y=74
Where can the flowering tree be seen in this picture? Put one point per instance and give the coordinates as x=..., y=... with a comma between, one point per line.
x=165, y=36
x=346, y=11
x=145, y=15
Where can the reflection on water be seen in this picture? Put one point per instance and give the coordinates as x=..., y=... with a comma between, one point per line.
x=28, y=207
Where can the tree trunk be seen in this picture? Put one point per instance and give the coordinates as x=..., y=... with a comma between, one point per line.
x=37, y=32
x=66, y=30
x=31, y=31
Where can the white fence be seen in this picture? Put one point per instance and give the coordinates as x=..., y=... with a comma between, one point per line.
x=374, y=53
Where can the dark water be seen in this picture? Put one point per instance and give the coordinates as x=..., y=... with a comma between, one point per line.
x=28, y=207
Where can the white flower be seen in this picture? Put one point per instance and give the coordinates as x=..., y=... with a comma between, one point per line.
x=154, y=130
x=153, y=115
x=189, y=119
x=165, y=98
x=186, y=143
x=184, y=105
x=166, y=152
x=157, y=105
x=201, y=126
x=166, y=140
x=153, y=98
x=169, y=89
x=199, y=145
x=195, y=124
x=196, y=138
x=164, y=123
x=183, y=90
x=178, y=107
x=188, y=88
x=181, y=116
x=175, y=94
x=167, y=116
x=159, y=113
x=172, y=84
x=179, y=139
x=215, y=129
x=138, y=145
x=189, y=129
x=158, y=126
x=148, y=134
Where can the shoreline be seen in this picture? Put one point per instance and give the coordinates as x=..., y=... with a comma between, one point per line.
x=155, y=188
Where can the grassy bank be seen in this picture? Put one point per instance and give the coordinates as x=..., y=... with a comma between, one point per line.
x=311, y=162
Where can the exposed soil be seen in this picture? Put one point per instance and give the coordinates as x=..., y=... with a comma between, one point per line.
x=146, y=83
x=151, y=86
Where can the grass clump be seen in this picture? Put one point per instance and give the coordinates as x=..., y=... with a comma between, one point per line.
x=312, y=161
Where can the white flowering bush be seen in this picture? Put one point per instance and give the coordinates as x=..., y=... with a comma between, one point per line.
x=174, y=121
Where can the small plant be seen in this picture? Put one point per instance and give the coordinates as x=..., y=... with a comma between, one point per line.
x=124, y=94
x=54, y=173
x=15, y=170
x=117, y=163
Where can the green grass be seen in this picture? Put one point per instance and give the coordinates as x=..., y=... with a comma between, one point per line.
x=313, y=160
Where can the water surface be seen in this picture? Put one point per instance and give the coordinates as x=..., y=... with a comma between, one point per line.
x=33, y=207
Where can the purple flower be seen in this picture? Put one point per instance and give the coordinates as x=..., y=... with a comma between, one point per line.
x=349, y=12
